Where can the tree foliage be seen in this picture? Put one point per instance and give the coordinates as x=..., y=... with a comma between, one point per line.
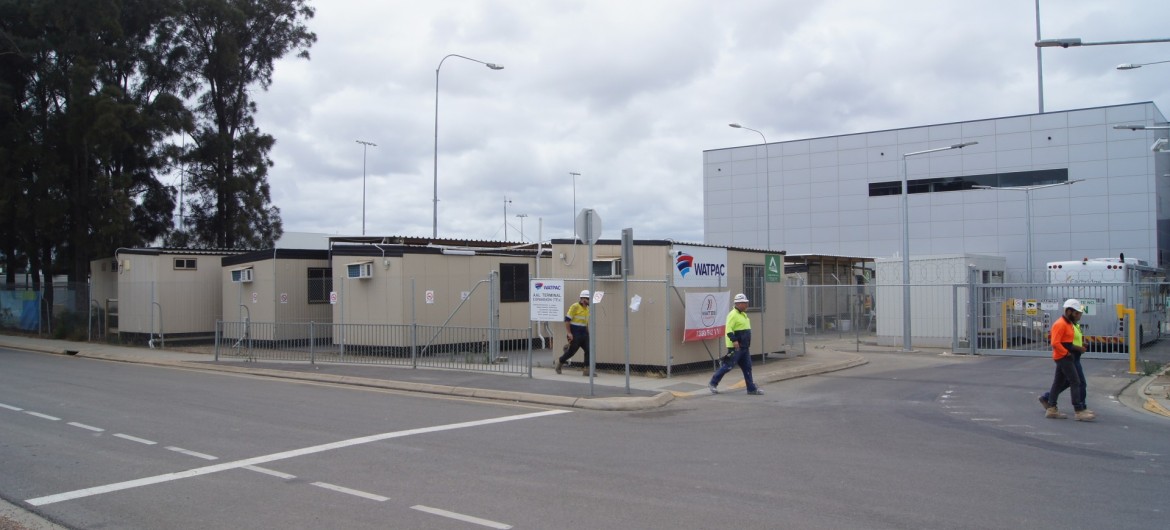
x=94, y=95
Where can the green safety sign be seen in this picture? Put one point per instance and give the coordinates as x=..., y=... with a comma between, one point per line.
x=773, y=268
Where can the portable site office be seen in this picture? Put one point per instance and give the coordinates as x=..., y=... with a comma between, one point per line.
x=149, y=292
x=664, y=272
x=460, y=284
x=279, y=286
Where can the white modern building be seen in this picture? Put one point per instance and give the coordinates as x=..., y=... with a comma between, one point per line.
x=841, y=195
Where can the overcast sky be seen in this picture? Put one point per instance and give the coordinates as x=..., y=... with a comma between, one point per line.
x=630, y=93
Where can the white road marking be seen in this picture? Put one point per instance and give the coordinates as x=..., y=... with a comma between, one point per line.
x=157, y=479
x=134, y=439
x=267, y=471
x=39, y=415
x=986, y=419
x=86, y=427
x=461, y=517
x=10, y=407
x=189, y=452
x=361, y=494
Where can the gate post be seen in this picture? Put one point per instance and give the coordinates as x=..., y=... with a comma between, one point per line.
x=975, y=302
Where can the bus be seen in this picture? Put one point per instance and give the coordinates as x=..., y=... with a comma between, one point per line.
x=1102, y=283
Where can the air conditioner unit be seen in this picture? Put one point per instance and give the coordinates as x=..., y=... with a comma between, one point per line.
x=242, y=275
x=607, y=268
x=361, y=270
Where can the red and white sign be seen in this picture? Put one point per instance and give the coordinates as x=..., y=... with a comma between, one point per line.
x=333, y=297
x=284, y=298
x=430, y=297
x=706, y=315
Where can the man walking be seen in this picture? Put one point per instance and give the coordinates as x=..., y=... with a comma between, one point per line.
x=1065, y=353
x=577, y=328
x=1078, y=340
x=739, y=340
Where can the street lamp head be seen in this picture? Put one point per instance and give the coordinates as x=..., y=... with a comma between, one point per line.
x=962, y=145
x=1128, y=66
x=1063, y=43
x=494, y=66
x=735, y=125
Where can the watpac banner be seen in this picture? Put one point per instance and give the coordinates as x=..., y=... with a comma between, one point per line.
x=706, y=315
x=699, y=266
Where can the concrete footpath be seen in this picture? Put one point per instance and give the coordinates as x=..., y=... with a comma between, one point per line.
x=545, y=387
x=571, y=390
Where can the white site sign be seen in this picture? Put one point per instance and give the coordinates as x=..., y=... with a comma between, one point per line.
x=546, y=300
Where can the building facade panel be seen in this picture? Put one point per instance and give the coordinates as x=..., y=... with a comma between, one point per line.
x=1120, y=193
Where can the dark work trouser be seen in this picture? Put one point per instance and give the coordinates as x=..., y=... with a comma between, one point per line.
x=580, y=342
x=1067, y=377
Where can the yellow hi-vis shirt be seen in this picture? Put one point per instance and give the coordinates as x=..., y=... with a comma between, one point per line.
x=1078, y=337
x=736, y=321
x=578, y=315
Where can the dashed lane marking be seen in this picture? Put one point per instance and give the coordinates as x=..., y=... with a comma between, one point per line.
x=87, y=427
x=272, y=472
x=349, y=491
x=461, y=517
x=10, y=407
x=39, y=415
x=135, y=439
x=189, y=452
x=157, y=479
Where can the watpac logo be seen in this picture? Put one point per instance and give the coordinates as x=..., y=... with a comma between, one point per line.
x=686, y=265
x=550, y=287
x=684, y=262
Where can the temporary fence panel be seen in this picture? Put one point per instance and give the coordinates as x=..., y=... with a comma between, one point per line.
x=457, y=348
x=1016, y=318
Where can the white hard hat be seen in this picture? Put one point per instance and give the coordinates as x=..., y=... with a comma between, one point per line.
x=585, y=293
x=1074, y=304
x=740, y=298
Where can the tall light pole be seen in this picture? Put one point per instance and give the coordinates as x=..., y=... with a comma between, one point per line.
x=906, y=346
x=1028, y=209
x=767, y=184
x=364, y=146
x=506, y=202
x=574, y=216
x=1039, y=61
x=493, y=66
x=521, y=216
x=1066, y=43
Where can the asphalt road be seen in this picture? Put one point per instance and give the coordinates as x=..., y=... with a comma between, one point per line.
x=907, y=441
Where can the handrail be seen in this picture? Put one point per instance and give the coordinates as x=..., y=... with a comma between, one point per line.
x=425, y=346
x=162, y=337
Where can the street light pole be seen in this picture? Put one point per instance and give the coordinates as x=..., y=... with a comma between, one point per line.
x=906, y=345
x=1028, y=210
x=506, y=201
x=521, y=216
x=364, y=146
x=493, y=66
x=1039, y=61
x=574, y=216
x=767, y=184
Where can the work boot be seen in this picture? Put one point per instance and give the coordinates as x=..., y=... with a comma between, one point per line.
x=1085, y=415
x=557, y=364
x=1055, y=414
x=713, y=389
x=1043, y=401
x=756, y=392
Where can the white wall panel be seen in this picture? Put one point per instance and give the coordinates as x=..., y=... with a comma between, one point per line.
x=1004, y=126
x=973, y=129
